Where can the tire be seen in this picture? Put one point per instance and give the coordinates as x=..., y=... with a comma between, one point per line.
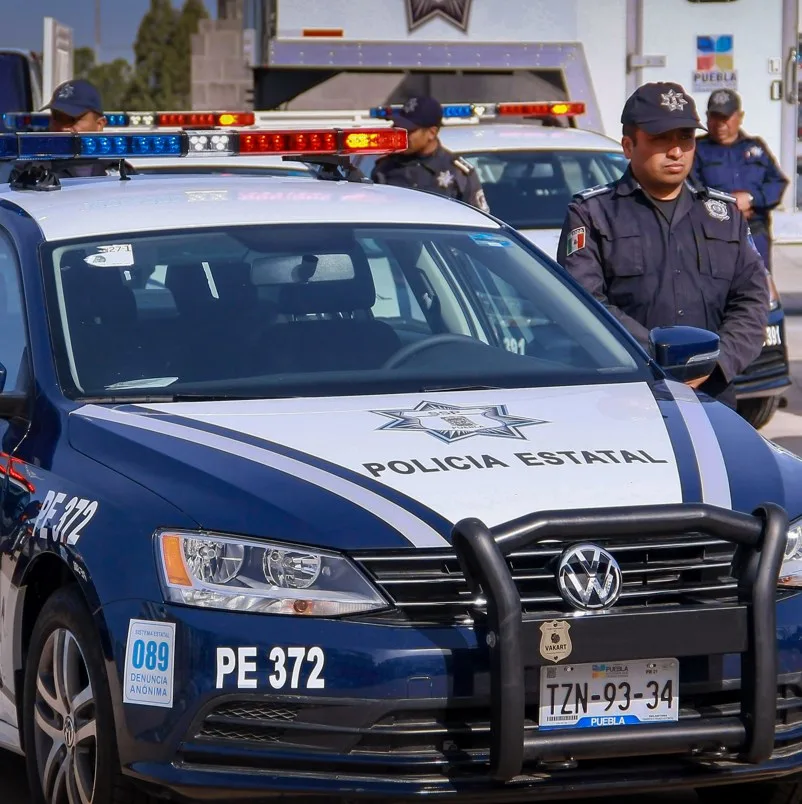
x=779, y=792
x=758, y=411
x=67, y=713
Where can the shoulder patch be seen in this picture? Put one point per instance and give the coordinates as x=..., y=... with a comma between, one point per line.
x=463, y=165
x=593, y=191
x=720, y=195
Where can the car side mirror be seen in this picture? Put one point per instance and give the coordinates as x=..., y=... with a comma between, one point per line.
x=685, y=353
x=3, y=377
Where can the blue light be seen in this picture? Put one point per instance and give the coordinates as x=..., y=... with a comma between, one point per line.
x=24, y=121
x=46, y=146
x=122, y=145
x=116, y=119
x=383, y=112
x=8, y=146
x=457, y=110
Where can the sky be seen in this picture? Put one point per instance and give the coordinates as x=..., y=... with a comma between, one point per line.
x=119, y=22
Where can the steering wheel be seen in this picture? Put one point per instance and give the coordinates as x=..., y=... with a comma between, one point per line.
x=411, y=349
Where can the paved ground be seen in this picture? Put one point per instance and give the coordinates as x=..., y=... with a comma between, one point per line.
x=785, y=428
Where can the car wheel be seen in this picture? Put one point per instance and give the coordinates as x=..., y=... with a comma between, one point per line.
x=70, y=746
x=758, y=411
x=782, y=792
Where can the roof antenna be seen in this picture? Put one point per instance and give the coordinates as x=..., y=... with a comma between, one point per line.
x=123, y=168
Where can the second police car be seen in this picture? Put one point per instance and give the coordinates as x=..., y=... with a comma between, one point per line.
x=367, y=500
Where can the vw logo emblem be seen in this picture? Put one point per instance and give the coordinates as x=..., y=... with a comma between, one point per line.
x=588, y=577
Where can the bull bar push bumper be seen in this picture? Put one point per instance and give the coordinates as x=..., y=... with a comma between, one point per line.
x=746, y=626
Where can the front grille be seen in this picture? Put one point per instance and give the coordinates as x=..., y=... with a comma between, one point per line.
x=410, y=736
x=240, y=734
x=767, y=363
x=429, y=585
x=253, y=710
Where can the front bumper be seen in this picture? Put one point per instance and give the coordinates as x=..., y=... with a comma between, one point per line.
x=769, y=373
x=452, y=712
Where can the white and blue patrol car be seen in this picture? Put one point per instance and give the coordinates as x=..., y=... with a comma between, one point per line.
x=365, y=498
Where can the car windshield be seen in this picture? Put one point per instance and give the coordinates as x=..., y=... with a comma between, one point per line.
x=531, y=189
x=318, y=310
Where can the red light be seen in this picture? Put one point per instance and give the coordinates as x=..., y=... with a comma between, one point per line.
x=328, y=141
x=288, y=142
x=550, y=109
x=361, y=141
x=204, y=119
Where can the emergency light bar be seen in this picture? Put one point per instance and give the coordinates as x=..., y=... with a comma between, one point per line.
x=25, y=121
x=329, y=142
x=40, y=121
x=469, y=111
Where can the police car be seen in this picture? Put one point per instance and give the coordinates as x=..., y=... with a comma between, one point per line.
x=370, y=500
x=530, y=172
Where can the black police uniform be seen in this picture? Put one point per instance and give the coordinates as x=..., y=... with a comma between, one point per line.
x=441, y=171
x=688, y=261
x=746, y=165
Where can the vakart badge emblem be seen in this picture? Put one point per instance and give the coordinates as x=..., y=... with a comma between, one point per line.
x=717, y=209
x=450, y=423
x=555, y=644
x=453, y=11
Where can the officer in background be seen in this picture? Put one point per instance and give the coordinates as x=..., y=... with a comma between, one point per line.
x=76, y=107
x=732, y=161
x=426, y=164
x=659, y=250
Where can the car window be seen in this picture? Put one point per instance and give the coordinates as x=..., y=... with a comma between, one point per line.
x=531, y=189
x=301, y=310
x=13, y=336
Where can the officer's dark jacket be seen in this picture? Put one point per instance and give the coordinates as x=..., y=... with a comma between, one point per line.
x=745, y=165
x=441, y=171
x=703, y=272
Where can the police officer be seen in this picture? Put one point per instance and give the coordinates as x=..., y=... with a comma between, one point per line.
x=658, y=250
x=731, y=160
x=426, y=164
x=76, y=107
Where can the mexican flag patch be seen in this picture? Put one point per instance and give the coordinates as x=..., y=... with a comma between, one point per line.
x=576, y=240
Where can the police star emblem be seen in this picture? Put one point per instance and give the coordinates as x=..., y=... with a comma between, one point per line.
x=673, y=101
x=445, y=178
x=450, y=423
x=717, y=209
x=454, y=11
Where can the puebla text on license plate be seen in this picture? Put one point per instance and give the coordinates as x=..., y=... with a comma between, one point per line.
x=587, y=696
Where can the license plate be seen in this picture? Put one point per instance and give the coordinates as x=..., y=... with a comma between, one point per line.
x=588, y=696
x=773, y=336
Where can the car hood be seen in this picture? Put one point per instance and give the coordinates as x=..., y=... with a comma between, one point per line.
x=394, y=471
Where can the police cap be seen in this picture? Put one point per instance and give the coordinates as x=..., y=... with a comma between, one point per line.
x=725, y=102
x=660, y=107
x=420, y=111
x=75, y=98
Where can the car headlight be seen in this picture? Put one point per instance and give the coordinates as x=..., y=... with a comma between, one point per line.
x=222, y=572
x=791, y=570
x=774, y=294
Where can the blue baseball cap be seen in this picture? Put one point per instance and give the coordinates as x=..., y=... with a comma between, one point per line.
x=420, y=111
x=75, y=98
